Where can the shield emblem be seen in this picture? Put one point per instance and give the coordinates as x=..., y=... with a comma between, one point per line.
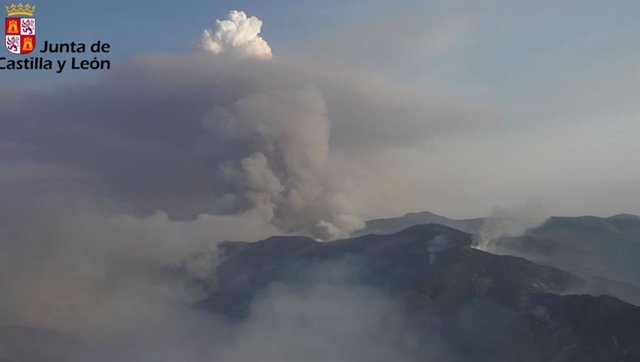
x=20, y=34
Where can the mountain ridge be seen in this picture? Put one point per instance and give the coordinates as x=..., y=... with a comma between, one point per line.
x=433, y=271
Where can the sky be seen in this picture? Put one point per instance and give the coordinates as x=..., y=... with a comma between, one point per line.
x=532, y=100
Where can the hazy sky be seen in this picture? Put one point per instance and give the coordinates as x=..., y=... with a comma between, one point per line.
x=553, y=87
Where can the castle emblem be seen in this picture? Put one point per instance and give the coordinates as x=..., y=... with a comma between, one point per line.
x=20, y=28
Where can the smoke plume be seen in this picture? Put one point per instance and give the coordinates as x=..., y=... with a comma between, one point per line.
x=513, y=221
x=106, y=185
x=237, y=35
x=284, y=177
x=209, y=134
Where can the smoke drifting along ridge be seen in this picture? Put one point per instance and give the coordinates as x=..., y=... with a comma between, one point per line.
x=237, y=35
x=513, y=221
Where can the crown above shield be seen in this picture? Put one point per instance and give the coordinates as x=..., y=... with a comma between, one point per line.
x=20, y=9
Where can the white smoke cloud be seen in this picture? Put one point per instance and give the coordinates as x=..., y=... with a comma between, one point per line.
x=513, y=221
x=238, y=35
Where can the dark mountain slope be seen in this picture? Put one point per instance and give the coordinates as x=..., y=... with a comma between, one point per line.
x=605, y=248
x=485, y=307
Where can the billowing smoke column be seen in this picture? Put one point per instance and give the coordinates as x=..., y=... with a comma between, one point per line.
x=225, y=131
x=287, y=133
x=106, y=186
x=238, y=35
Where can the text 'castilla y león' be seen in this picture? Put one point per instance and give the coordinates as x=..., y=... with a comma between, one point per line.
x=60, y=65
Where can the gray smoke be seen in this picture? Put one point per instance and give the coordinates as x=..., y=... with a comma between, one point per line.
x=70, y=263
x=198, y=134
x=85, y=284
x=107, y=185
x=284, y=178
x=509, y=221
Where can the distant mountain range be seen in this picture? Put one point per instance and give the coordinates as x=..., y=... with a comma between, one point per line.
x=472, y=226
x=395, y=224
x=603, y=248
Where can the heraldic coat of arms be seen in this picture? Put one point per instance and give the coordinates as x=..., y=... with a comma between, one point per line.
x=20, y=28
